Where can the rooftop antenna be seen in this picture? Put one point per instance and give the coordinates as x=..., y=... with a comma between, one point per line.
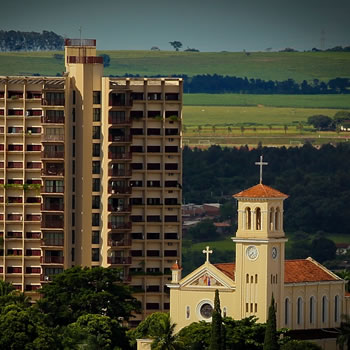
x=80, y=30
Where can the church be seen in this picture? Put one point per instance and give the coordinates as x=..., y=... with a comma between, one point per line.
x=310, y=299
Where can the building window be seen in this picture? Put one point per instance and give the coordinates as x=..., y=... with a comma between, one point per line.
x=247, y=278
x=96, y=202
x=286, y=311
x=299, y=311
x=96, y=117
x=73, y=236
x=272, y=214
x=96, y=132
x=96, y=185
x=258, y=219
x=96, y=166
x=95, y=254
x=277, y=219
x=336, y=308
x=312, y=310
x=73, y=97
x=95, y=237
x=73, y=254
x=248, y=217
x=73, y=167
x=95, y=219
x=96, y=97
x=96, y=149
x=73, y=132
x=73, y=115
x=324, y=309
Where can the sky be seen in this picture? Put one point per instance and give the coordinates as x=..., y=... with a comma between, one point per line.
x=221, y=25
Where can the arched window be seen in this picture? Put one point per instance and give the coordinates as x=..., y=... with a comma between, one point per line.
x=286, y=311
x=188, y=312
x=312, y=310
x=272, y=214
x=277, y=219
x=258, y=219
x=248, y=218
x=300, y=310
x=336, y=308
x=247, y=278
x=324, y=309
x=224, y=312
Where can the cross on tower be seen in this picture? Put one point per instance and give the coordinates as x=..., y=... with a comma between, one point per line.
x=207, y=252
x=261, y=163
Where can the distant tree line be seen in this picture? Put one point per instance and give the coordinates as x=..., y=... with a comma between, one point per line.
x=219, y=84
x=30, y=41
x=317, y=181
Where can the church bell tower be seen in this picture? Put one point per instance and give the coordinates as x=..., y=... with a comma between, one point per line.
x=260, y=245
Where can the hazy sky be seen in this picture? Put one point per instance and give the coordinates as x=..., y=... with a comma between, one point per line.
x=231, y=25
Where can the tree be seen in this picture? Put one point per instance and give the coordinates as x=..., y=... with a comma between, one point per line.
x=203, y=231
x=320, y=122
x=242, y=129
x=345, y=275
x=78, y=291
x=214, y=128
x=300, y=345
x=344, y=336
x=285, y=127
x=196, y=336
x=176, y=45
x=106, y=60
x=271, y=338
x=216, y=325
x=95, y=332
x=323, y=249
x=164, y=337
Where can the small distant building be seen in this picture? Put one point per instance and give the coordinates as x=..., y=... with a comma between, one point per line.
x=345, y=126
x=342, y=248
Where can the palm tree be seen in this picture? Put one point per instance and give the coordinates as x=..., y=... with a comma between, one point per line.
x=164, y=337
x=344, y=336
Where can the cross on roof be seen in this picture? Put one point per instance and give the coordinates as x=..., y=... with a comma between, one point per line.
x=207, y=252
x=261, y=163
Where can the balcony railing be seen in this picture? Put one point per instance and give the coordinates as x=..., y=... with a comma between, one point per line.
x=116, y=120
x=52, y=223
x=52, y=102
x=119, y=225
x=119, y=208
x=121, y=243
x=33, y=235
x=117, y=190
x=52, y=154
x=118, y=138
x=47, y=242
x=117, y=260
x=125, y=155
x=53, y=207
x=52, y=137
x=52, y=259
x=119, y=172
x=52, y=119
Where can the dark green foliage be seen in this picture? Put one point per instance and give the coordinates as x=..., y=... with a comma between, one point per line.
x=95, y=332
x=344, y=337
x=323, y=249
x=271, y=336
x=196, y=336
x=216, y=325
x=106, y=60
x=30, y=41
x=316, y=181
x=78, y=291
x=300, y=345
x=203, y=231
x=321, y=122
x=176, y=45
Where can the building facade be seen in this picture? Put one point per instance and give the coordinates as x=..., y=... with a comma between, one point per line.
x=90, y=174
x=310, y=299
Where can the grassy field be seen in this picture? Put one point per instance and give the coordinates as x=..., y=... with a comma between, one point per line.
x=234, y=115
x=296, y=101
x=274, y=65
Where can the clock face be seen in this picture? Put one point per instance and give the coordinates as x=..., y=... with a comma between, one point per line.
x=274, y=253
x=252, y=252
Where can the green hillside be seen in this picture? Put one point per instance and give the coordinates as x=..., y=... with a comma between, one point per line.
x=273, y=65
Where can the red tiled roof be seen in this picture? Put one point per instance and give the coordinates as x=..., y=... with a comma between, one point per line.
x=308, y=270
x=227, y=268
x=347, y=294
x=295, y=271
x=260, y=191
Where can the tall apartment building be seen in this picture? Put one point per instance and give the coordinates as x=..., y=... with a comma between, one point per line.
x=90, y=174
